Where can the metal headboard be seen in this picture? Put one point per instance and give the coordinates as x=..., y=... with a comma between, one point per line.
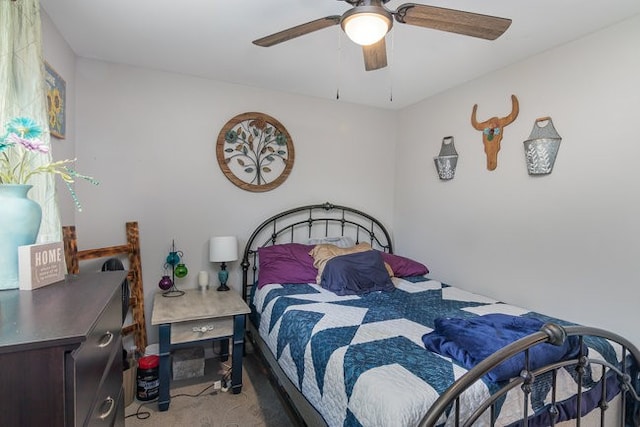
x=302, y=223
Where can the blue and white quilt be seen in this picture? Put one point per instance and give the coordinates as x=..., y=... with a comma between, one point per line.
x=360, y=360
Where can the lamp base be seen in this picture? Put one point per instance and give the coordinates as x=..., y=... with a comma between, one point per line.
x=223, y=275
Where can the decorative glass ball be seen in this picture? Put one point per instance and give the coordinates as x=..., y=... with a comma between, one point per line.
x=180, y=270
x=165, y=283
x=173, y=258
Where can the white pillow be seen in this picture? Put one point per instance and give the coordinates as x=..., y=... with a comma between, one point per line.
x=339, y=241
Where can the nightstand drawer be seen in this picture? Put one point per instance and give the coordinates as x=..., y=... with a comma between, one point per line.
x=204, y=329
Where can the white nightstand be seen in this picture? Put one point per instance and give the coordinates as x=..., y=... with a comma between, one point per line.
x=198, y=316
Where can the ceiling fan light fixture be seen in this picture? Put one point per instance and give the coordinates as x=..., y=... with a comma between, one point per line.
x=366, y=25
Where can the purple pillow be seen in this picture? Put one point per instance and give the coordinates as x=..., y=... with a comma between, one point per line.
x=286, y=263
x=404, y=267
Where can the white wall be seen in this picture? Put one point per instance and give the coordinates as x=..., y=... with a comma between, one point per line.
x=150, y=137
x=59, y=55
x=565, y=244
x=534, y=241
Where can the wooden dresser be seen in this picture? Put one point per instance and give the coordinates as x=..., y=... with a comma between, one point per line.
x=61, y=353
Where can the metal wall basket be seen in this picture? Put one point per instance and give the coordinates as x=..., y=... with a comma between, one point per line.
x=447, y=159
x=541, y=149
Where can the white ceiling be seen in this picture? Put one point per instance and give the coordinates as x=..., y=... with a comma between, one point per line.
x=212, y=39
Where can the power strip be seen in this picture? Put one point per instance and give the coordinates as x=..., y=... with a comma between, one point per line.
x=221, y=385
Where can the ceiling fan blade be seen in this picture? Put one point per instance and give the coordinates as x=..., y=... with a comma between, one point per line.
x=297, y=31
x=375, y=55
x=453, y=21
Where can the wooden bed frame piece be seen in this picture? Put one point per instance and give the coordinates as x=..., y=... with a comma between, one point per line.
x=281, y=228
x=132, y=249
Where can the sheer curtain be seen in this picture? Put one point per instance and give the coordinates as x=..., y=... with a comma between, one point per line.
x=23, y=94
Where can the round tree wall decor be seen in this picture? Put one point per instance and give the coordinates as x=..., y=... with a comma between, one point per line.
x=255, y=152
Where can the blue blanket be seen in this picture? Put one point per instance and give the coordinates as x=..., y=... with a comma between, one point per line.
x=469, y=341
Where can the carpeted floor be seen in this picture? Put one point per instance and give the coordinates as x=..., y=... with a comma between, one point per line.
x=194, y=403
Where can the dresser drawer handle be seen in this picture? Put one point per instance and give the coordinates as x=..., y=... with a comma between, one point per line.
x=106, y=408
x=106, y=340
x=202, y=329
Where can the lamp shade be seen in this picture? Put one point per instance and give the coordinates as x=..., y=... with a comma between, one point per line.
x=223, y=249
x=366, y=25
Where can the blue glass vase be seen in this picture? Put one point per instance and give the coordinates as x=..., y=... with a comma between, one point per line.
x=19, y=225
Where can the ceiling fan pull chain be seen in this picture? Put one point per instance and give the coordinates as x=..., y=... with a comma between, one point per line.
x=338, y=72
x=393, y=45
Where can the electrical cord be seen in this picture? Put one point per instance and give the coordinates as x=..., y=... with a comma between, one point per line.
x=225, y=382
x=142, y=415
x=226, y=377
x=193, y=395
x=146, y=414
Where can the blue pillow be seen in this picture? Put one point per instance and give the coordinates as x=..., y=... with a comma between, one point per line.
x=356, y=274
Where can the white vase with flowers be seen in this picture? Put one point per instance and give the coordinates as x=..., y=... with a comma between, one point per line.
x=20, y=216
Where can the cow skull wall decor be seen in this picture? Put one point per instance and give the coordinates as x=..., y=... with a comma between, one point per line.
x=492, y=131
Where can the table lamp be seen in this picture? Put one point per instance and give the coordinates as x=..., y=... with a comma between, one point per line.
x=223, y=249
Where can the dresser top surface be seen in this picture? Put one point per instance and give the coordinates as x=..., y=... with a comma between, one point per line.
x=58, y=314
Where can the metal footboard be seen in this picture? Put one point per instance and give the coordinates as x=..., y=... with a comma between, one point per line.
x=627, y=373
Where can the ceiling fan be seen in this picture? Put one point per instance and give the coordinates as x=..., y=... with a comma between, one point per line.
x=369, y=21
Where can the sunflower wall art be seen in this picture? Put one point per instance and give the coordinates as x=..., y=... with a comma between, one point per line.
x=56, y=103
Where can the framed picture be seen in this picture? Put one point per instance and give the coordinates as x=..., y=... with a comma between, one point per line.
x=56, y=102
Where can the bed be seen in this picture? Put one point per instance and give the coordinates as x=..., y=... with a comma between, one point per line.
x=363, y=337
